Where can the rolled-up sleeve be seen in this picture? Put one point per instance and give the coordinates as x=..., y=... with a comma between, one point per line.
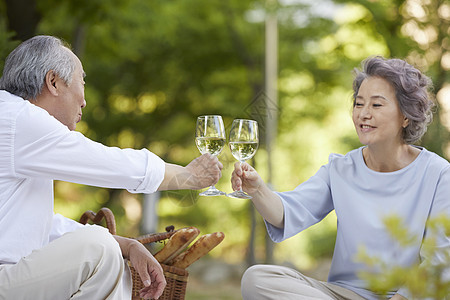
x=154, y=175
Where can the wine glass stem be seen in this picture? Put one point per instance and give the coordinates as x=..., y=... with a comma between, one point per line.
x=240, y=164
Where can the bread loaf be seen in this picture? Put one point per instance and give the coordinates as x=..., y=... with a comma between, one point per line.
x=201, y=247
x=176, y=244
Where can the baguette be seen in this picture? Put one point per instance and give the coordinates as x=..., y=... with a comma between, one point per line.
x=176, y=244
x=201, y=247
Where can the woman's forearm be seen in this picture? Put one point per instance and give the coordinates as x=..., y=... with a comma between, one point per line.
x=269, y=205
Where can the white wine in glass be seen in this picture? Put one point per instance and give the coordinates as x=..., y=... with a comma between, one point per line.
x=243, y=145
x=210, y=138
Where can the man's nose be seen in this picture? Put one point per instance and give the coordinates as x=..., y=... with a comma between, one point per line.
x=83, y=105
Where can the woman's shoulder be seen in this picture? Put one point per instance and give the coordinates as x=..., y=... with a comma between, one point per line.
x=433, y=160
x=350, y=157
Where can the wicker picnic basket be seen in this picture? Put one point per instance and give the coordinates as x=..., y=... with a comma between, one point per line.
x=176, y=278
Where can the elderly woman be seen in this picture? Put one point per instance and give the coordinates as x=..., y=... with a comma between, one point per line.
x=387, y=176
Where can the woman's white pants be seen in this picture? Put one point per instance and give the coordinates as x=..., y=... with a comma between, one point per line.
x=269, y=282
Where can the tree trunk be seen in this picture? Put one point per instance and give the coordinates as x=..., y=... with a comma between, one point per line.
x=251, y=258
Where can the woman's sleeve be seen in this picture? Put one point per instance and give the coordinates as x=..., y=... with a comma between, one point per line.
x=45, y=148
x=306, y=205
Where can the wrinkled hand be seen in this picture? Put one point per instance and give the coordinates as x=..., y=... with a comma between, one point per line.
x=245, y=176
x=149, y=270
x=204, y=171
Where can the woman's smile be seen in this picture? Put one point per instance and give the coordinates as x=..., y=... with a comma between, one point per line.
x=376, y=113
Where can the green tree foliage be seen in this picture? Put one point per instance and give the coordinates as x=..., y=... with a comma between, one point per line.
x=6, y=42
x=151, y=68
x=429, y=280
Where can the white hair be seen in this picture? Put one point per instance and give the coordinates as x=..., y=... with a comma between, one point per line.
x=27, y=65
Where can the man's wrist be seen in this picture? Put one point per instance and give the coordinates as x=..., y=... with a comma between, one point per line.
x=130, y=245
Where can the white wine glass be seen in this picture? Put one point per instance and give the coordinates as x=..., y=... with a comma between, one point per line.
x=210, y=138
x=243, y=145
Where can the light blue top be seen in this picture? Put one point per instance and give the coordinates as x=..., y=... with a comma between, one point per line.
x=361, y=199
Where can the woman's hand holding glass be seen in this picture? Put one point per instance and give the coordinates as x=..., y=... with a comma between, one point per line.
x=245, y=177
x=243, y=143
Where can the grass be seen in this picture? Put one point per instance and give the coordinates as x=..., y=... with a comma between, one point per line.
x=197, y=290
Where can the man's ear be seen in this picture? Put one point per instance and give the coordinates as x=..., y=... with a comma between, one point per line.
x=50, y=82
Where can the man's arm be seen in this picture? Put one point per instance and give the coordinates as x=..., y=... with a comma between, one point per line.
x=148, y=268
x=200, y=173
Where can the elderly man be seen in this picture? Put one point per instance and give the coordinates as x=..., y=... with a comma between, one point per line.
x=44, y=255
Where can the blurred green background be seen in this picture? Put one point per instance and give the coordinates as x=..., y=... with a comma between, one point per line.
x=154, y=66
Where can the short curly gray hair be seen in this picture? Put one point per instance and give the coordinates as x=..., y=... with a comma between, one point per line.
x=27, y=65
x=412, y=89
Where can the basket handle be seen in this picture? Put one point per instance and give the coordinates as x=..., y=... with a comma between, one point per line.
x=107, y=214
x=156, y=237
x=96, y=218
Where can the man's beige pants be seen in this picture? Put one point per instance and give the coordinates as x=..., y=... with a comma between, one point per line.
x=268, y=282
x=84, y=264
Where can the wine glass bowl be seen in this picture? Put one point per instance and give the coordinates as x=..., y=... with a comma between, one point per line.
x=243, y=151
x=210, y=138
x=243, y=144
x=211, y=145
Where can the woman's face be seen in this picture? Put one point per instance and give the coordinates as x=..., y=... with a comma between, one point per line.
x=376, y=113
